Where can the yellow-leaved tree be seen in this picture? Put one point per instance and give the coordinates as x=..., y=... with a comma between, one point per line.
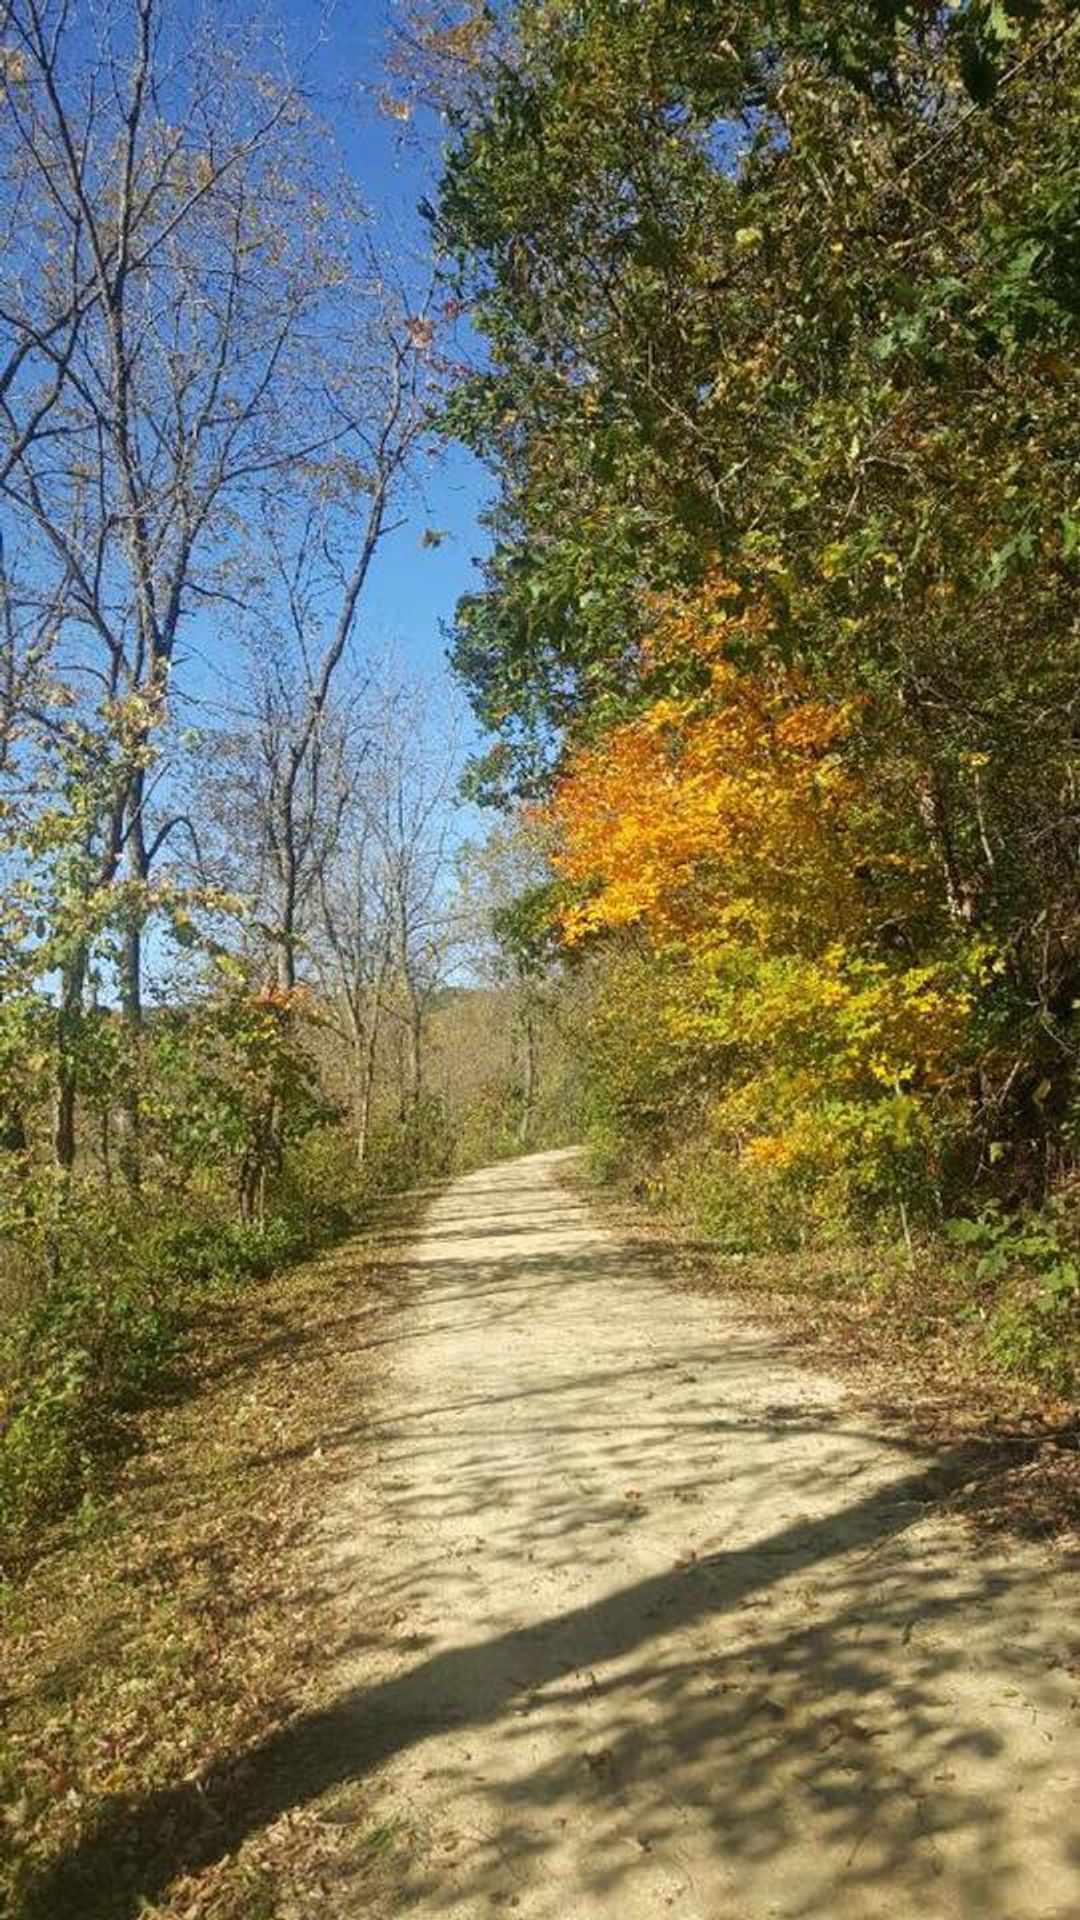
x=727, y=827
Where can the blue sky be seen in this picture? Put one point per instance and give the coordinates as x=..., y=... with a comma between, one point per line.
x=414, y=588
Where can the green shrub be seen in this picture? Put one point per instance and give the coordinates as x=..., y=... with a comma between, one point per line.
x=1025, y=1278
x=101, y=1332
x=321, y=1191
x=490, y=1129
x=415, y=1145
x=762, y=1212
x=605, y=1150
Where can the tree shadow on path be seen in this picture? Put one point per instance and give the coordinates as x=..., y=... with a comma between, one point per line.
x=138, y=1846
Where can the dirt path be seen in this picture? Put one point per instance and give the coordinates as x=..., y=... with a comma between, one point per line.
x=669, y=1627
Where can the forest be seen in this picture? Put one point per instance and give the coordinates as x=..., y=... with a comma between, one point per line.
x=244, y=946
x=778, y=635
x=724, y=825
x=763, y=322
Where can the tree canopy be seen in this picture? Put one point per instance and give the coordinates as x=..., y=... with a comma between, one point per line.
x=787, y=298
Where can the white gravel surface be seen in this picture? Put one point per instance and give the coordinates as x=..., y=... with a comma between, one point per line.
x=663, y=1625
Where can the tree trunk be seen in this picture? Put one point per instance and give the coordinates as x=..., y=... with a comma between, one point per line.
x=67, y=1028
x=416, y=1052
x=366, y=1091
x=64, y=1123
x=528, y=1092
x=129, y=1115
x=288, y=888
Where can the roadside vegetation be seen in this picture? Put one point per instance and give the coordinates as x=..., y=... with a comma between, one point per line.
x=162, y=1634
x=765, y=322
x=238, y=927
x=780, y=633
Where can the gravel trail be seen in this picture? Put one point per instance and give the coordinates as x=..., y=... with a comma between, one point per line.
x=666, y=1627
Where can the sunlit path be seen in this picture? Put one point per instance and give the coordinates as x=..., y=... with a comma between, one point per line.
x=671, y=1630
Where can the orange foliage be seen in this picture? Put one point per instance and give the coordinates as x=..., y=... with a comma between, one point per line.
x=722, y=811
x=732, y=826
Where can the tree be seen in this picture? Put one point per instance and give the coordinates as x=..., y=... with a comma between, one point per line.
x=412, y=773
x=510, y=897
x=354, y=949
x=146, y=174
x=783, y=301
x=333, y=829
x=288, y=758
x=198, y=267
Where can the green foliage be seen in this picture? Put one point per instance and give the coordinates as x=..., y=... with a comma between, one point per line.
x=775, y=296
x=490, y=1129
x=232, y=1083
x=1033, y=1244
x=525, y=928
x=419, y=1137
x=78, y=1365
x=320, y=1191
x=1025, y=1275
x=83, y=1349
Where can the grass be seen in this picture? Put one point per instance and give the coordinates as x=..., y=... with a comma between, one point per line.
x=172, y=1622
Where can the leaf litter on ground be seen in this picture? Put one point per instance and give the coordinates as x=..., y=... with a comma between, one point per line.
x=173, y=1626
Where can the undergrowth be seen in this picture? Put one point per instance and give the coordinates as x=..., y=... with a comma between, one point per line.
x=160, y=1637
x=84, y=1352
x=1002, y=1288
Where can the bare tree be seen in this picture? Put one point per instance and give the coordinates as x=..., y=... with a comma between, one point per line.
x=388, y=936
x=505, y=883
x=416, y=776
x=176, y=268
x=318, y=558
x=440, y=53
x=354, y=952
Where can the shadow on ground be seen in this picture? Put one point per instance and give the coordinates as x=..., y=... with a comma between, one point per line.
x=804, y=1673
